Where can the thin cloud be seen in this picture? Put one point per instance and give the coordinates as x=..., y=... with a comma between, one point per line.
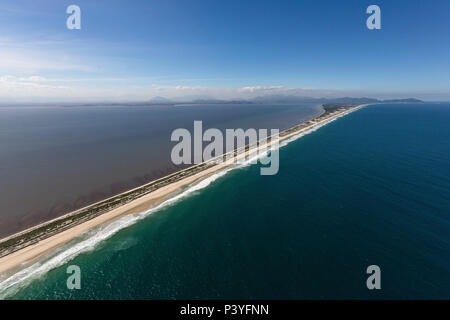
x=38, y=88
x=15, y=62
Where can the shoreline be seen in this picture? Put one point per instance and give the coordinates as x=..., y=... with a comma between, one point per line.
x=32, y=243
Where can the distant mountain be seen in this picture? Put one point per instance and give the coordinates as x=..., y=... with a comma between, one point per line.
x=408, y=100
x=160, y=100
x=217, y=101
x=344, y=100
x=299, y=99
x=349, y=100
x=267, y=99
x=278, y=98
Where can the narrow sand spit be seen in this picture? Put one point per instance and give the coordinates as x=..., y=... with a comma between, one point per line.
x=143, y=203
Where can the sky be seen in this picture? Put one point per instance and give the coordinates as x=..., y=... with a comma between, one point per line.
x=189, y=49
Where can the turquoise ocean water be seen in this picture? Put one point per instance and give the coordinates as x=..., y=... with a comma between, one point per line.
x=370, y=188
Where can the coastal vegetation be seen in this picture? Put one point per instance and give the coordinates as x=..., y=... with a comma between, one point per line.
x=45, y=230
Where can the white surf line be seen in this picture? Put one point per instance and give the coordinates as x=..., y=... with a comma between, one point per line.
x=22, y=278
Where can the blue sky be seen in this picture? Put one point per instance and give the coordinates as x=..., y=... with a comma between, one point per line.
x=223, y=49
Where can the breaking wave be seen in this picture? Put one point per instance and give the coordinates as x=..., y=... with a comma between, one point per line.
x=90, y=239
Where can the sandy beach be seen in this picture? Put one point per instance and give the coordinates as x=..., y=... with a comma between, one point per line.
x=143, y=203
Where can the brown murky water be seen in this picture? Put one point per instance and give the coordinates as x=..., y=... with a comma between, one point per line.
x=57, y=159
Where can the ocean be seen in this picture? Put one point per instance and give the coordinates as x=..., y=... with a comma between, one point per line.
x=370, y=188
x=57, y=159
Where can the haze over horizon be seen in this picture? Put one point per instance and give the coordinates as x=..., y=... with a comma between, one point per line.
x=222, y=50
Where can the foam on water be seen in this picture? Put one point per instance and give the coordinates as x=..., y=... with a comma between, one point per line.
x=89, y=240
x=23, y=277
